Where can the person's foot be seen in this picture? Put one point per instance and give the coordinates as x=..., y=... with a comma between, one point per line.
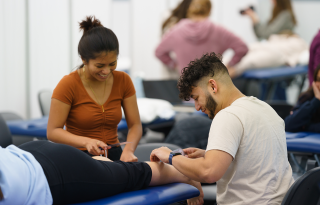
x=199, y=199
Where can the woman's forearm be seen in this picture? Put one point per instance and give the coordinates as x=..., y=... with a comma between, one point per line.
x=62, y=136
x=134, y=136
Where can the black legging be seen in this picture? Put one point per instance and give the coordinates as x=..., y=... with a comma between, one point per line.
x=74, y=176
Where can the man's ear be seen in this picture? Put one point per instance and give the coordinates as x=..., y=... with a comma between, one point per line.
x=213, y=85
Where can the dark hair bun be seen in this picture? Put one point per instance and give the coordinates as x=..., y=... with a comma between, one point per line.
x=89, y=23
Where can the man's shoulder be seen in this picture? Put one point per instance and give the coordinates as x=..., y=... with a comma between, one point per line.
x=245, y=106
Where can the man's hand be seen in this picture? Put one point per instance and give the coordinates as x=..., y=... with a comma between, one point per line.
x=160, y=154
x=128, y=156
x=316, y=89
x=192, y=152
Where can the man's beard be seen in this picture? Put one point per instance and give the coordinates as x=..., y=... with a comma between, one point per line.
x=211, y=105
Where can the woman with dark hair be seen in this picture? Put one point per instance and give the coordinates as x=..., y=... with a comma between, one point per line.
x=282, y=20
x=88, y=101
x=42, y=172
x=180, y=12
x=305, y=116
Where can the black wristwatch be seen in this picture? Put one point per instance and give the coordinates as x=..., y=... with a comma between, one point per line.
x=172, y=154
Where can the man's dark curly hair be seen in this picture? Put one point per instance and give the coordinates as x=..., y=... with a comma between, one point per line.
x=209, y=64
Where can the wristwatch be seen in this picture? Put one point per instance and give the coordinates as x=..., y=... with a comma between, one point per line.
x=172, y=154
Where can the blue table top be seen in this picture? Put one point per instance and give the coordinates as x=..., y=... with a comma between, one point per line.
x=295, y=135
x=165, y=194
x=271, y=73
x=38, y=127
x=307, y=144
x=34, y=127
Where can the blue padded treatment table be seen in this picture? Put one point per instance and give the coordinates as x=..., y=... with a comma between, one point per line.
x=38, y=127
x=269, y=77
x=275, y=73
x=165, y=194
x=307, y=144
x=157, y=122
x=34, y=127
x=303, y=142
x=295, y=135
x=122, y=125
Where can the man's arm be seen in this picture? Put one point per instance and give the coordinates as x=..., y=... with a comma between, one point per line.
x=223, y=143
x=208, y=169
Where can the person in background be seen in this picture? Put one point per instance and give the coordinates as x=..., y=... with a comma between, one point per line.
x=180, y=12
x=190, y=38
x=305, y=116
x=314, y=59
x=282, y=20
x=88, y=101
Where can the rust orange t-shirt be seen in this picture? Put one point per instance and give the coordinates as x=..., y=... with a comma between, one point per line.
x=86, y=117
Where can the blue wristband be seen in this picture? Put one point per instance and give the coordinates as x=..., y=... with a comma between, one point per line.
x=170, y=158
x=172, y=154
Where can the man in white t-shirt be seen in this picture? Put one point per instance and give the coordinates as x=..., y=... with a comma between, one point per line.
x=246, y=153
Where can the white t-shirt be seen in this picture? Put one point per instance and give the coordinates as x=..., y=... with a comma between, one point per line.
x=253, y=134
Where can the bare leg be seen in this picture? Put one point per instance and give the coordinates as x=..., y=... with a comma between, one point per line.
x=164, y=174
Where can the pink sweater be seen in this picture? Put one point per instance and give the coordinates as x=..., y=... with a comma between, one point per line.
x=190, y=40
x=314, y=59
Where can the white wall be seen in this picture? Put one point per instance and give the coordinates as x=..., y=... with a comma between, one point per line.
x=49, y=47
x=308, y=17
x=13, y=57
x=121, y=25
x=227, y=14
x=101, y=9
x=306, y=12
x=146, y=33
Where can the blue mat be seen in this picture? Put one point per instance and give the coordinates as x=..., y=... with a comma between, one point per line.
x=165, y=194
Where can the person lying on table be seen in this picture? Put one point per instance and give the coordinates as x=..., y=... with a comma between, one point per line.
x=88, y=101
x=43, y=172
x=246, y=152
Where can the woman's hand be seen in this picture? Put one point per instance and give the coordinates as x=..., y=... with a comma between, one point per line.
x=252, y=15
x=316, y=90
x=194, y=152
x=128, y=156
x=93, y=146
